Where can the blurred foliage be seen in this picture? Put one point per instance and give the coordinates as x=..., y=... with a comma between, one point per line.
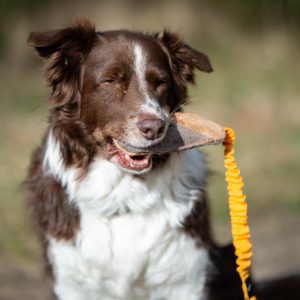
x=9, y=6
x=255, y=14
x=252, y=13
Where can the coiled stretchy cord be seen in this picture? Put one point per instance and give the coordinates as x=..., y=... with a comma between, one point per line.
x=238, y=215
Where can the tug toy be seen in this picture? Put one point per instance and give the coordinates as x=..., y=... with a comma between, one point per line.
x=188, y=131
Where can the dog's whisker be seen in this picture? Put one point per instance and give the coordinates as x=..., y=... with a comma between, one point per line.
x=178, y=107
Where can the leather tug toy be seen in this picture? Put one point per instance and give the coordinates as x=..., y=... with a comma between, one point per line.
x=188, y=131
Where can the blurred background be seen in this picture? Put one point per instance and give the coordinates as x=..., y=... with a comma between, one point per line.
x=254, y=48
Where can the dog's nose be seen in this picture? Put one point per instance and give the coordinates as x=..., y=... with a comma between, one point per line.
x=151, y=128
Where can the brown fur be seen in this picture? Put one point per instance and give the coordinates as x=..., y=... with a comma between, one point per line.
x=197, y=223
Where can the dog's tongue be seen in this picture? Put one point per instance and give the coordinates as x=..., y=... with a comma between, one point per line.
x=185, y=132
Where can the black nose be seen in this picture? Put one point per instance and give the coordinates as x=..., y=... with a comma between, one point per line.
x=151, y=128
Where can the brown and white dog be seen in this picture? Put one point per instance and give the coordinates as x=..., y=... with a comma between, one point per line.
x=118, y=225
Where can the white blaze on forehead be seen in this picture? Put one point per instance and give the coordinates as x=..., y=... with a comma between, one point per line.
x=140, y=62
x=140, y=65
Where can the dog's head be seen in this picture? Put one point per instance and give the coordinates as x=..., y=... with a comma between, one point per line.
x=118, y=85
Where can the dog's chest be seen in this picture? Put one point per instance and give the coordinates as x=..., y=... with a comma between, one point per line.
x=122, y=243
x=129, y=257
x=141, y=250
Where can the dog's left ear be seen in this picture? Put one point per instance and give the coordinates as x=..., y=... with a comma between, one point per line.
x=184, y=58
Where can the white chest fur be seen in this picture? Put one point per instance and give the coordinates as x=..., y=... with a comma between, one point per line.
x=130, y=244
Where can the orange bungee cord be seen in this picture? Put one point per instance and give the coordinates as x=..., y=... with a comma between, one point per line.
x=238, y=215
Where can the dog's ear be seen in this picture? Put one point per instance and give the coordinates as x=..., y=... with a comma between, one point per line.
x=183, y=61
x=64, y=50
x=184, y=58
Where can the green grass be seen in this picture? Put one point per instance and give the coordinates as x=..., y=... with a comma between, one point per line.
x=18, y=137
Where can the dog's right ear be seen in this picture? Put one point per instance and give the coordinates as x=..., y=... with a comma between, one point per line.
x=65, y=50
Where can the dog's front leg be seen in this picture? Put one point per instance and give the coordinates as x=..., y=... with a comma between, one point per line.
x=72, y=279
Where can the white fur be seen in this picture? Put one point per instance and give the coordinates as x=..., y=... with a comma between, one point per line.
x=150, y=105
x=140, y=63
x=130, y=244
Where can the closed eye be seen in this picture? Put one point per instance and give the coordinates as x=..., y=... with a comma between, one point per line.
x=161, y=84
x=109, y=81
x=161, y=81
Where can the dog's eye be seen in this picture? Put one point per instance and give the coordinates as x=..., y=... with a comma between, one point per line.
x=161, y=82
x=109, y=81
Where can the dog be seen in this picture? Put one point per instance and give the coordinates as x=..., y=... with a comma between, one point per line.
x=115, y=224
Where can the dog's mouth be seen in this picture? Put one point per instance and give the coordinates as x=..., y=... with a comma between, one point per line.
x=187, y=131
x=137, y=163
